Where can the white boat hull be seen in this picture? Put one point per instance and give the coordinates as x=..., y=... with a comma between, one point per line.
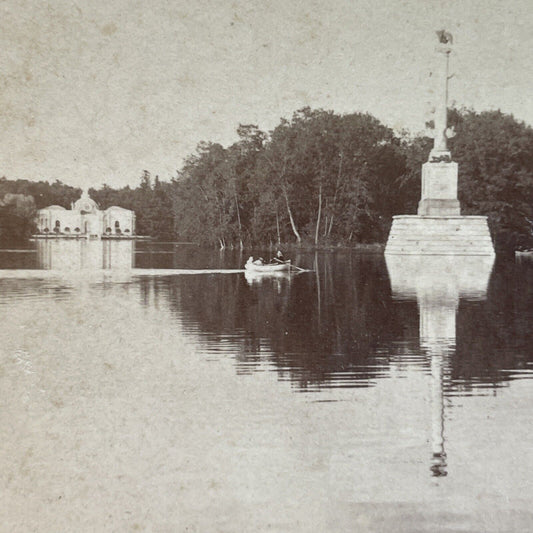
x=271, y=267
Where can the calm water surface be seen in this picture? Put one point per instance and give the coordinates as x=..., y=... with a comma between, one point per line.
x=364, y=395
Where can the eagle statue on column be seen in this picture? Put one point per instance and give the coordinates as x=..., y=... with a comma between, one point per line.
x=445, y=37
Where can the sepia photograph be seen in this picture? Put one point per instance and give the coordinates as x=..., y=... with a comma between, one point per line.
x=266, y=266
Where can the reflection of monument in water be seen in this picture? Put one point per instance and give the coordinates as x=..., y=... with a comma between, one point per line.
x=437, y=283
x=439, y=256
x=75, y=255
x=439, y=228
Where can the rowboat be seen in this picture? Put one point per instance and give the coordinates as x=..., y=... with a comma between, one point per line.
x=265, y=268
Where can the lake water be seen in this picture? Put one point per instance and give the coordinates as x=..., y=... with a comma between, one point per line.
x=364, y=395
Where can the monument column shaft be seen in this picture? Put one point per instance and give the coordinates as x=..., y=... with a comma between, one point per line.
x=439, y=174
x=441, y=112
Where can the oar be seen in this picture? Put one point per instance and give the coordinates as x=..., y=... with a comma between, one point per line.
x=298, y=268
x=291, y=265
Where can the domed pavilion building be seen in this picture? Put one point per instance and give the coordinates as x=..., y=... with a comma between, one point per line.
x=85, y=218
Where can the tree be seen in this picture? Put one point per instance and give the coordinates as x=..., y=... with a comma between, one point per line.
x=17, y=217
x=495, y=156
x=334, y=174
x=202, y=198
x=278, y=178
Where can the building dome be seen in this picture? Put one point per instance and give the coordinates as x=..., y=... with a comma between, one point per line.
x=85, y=204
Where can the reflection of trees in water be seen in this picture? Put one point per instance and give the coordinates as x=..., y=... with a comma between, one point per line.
x=343, y=330
x=172, y=255
x=24, y=289
x=496, y=334
x=311, y=326
x=343, y=320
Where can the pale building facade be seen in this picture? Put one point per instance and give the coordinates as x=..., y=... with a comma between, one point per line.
x=86, y=218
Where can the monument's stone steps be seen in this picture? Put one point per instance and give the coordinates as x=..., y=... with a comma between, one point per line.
x=433, y=235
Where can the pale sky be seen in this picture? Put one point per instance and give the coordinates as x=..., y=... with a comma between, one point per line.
x=94, y=92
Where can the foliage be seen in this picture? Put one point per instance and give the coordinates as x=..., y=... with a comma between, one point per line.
x=322, y=178
x=150, y=201
x=43, y=193
x=17, y=214
x=495, y=156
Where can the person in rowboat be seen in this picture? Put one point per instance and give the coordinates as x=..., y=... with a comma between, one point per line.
x=279, y=258
x=258, y=261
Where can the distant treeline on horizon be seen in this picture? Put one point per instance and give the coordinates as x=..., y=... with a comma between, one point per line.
x=321, y=178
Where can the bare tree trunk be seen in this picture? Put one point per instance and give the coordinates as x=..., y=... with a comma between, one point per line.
x=330, y=225
x=319, y=213
x=238, y=216
x=293, y=224
x=277, y=226
x=337, y=188
x=281, y=174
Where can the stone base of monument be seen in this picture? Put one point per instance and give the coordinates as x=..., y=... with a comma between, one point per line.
x=439, y=207
x=439, y=189
x=439, y=235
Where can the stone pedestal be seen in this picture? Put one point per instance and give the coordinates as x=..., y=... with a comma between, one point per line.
x=439, y=235
x=439, y=228
x=439, y=189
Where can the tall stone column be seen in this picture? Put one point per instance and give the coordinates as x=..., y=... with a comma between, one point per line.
x=439, y=174
x=440, y=139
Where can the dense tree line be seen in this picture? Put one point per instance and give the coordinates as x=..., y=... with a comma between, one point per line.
x=325, y=178
x=320, y=178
